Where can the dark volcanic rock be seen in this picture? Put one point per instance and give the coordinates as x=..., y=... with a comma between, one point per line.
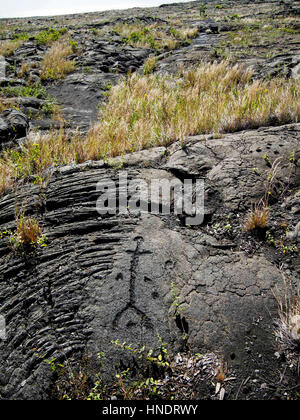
x=102, y=64
x=13, y=125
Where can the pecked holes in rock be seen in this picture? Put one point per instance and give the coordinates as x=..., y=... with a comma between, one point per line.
x=155, y=295
x=131, y=324
x=182, y=324
x=169, y=265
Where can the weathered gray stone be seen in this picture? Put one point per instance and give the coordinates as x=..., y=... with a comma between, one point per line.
x=295, y=234
x=3, y=65
x=13, y=125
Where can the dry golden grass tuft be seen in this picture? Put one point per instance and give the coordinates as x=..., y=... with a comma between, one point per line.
x=287, y=330
x=28, y=230
x=154, y=110
x=27, y=235
x=190, y=33
x=24, y=70
x=38, y=154
x=8, y=47
x=55, y=64
x=257, y=218
x=6, y=104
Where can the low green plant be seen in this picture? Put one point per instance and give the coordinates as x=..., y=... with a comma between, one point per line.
x=51, y=107
x=282, y=246
x=203, y=9
x=175, y=33
x=141, y=388
x=72, y=379
x=50, y=35
x=143, y=37
x=74, y=45
x=175, y=298
x=36, y=91
x=26, y=162
x=267, y=160
x=292, y=157
x=23, y=36
x=161, y=359
x=270, y=239
x=157, y=37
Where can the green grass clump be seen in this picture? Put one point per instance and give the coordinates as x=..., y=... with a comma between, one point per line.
x=36, y=91
x=255, y=37
x=154, y=36
x=23, y=36
x=50, y=35
x=141, y=37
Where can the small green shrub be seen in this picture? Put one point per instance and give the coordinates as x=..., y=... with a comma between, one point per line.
x=74, y=45
x=50, y=106
x=175, y=33
x=144, y=37
x=36, y=91
x=49, y=36
x=23, y=36
x=203, y=10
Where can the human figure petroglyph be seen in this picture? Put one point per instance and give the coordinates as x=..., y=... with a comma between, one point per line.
x=145, y=320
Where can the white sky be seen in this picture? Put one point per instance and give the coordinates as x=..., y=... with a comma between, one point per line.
x=27, y=8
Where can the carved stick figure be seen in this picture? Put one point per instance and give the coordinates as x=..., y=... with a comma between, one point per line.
x=132, y=300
